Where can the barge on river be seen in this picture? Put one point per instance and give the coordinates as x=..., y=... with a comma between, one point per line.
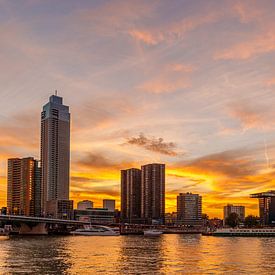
x=245, y=232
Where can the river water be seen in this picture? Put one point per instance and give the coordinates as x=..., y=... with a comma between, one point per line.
x=168, y=254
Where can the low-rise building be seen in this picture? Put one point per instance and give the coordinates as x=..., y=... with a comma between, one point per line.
x=60, y=209
x=95, y=215
x=109, y=204
x=83, y=205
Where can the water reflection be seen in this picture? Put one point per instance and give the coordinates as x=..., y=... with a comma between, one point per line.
x=141, y=254
x=168, y=254
x=181, y=253
x=40, y=255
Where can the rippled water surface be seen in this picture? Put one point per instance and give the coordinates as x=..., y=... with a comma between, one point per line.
x=168, y=254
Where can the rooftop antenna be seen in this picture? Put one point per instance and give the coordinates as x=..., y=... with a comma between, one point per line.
x=56, y=92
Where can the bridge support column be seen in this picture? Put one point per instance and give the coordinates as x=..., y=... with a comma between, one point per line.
x=38, y=229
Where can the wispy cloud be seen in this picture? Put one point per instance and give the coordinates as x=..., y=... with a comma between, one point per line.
x=254, y=115
x=172, y=77
x=262, y=44
x=145, y=36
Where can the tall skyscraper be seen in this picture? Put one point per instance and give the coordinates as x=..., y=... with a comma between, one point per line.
x=24, y=187
x=266, y=207
x=109, y=204
x=55, y=151
x=131, y=195
x=230, y=208
x=153, y=192
x=189, y=209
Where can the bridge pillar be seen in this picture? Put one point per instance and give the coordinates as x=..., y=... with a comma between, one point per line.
x=38, y=229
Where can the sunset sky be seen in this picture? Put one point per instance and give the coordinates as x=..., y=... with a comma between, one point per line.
x=187, y=83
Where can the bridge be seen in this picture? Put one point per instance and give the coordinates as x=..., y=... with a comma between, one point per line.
x=39, y=225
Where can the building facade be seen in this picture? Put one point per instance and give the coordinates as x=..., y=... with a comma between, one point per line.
x=83, y=205
x=189, y=209
x=153, y=193
x=230, y=208
x=266, y=207
x=55, y=151
x=24, y=187
x=60, y=209
x=131, y=195
x=95, y=215
x=109, y=204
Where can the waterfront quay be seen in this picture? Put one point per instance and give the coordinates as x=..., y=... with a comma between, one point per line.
x=138, y=229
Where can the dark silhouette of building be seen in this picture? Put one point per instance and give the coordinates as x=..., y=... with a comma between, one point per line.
x=189, y=209
x=131, y=195
x=24, y=187
x=60, y=209
x=55, y=152
x=230, y=208
x=109, y=204
x=153, y=193
x=266, y=207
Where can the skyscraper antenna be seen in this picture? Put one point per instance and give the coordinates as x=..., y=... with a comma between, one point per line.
x=56, y=92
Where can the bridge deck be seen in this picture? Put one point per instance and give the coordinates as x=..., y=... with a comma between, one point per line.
x=40, y=220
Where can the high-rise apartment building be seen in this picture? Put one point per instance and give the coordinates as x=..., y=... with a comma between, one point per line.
x=230, y=208
x=153, y=193
x=266, y=207
x=24, y=187
x=189, y=209
x=131, y=195
x=55, y=151
x=14, y=186
x=109, y=204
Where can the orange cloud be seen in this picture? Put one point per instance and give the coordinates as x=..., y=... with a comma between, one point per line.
x=161, y=85
x=145, y=36
x=261, y=44
x=252, y=116
x=172, y=77
x=270, y=82
x=248, y=10
x=175, y=30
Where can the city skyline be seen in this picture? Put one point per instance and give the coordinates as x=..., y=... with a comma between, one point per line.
x=192, y=89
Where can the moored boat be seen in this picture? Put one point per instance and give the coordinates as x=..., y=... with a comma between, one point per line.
x=245, y=232
x=95, y=230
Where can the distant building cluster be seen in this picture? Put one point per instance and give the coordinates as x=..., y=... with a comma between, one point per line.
x=41, y=187
x=143, y=194
x=143, y=198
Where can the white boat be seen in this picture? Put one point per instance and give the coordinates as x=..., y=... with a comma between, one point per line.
x=95, y=230
x=245, y=232
x=152, y=232
x=3, y=232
